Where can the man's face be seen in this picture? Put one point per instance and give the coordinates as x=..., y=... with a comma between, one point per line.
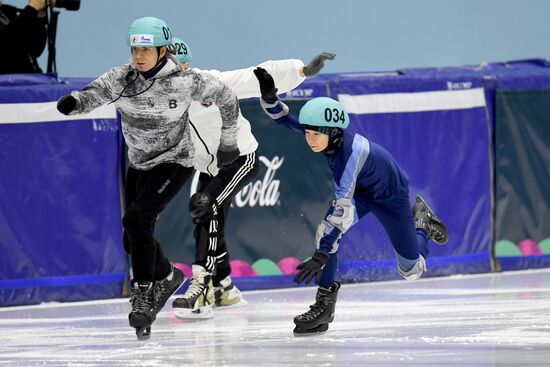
x=316, y=141
x=145, y=58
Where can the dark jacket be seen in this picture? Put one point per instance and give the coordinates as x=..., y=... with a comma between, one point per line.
x=23, y=40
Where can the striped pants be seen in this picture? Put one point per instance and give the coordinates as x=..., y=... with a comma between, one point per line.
x=211, y=247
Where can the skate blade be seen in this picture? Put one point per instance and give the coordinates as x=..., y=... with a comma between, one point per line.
x=319, y=330
x=241, y=303
x=140, y=322
x=143, y=333
x=205, y=312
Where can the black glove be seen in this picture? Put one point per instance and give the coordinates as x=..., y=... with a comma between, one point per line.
x=267, y=85
x=201, y=207
x=226, y=157
x=317, y=63
x=66, y=104
x=312, y=268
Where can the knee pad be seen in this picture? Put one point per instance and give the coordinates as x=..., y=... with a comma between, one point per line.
x=343, y=214
x=415, y=272
x=201, y=207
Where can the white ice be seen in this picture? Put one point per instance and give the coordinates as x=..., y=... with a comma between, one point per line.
x=475, y=320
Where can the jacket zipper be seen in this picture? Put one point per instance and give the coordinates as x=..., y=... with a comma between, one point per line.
x=205, y=147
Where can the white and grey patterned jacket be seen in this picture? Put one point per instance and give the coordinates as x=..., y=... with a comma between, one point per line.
x=154, y=111
x=206, y=120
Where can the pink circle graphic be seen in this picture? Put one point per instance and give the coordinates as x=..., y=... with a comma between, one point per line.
x=529, y=247
x=288, y=265
x=240, y=268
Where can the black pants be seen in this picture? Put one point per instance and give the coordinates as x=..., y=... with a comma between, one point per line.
x=211, y=247
x=147, y=194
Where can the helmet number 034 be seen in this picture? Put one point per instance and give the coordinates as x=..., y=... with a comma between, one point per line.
x=335, y=115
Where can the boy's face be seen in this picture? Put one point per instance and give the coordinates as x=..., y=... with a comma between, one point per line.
x=316, y=141
x=145, y=58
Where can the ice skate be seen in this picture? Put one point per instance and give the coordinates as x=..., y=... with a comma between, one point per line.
x=320, y=314
x=425, y=218
x=142, y=297
x=227, y=295
x=416, y=271
x=168, y=286
x=197, y=301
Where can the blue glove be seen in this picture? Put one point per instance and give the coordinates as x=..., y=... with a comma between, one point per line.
x=312, y=268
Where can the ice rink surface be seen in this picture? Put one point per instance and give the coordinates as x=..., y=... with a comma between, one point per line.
x=475, y=320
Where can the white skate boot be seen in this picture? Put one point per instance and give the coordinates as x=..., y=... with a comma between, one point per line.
x=197, y=301
x=227, y=295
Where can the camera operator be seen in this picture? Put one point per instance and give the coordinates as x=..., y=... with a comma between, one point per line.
x=24, y=34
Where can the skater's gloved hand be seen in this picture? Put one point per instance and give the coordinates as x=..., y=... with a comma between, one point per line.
x=66, y=104
x=312, y=268
x=317, y=63
x=226, y=156
x=267, y=85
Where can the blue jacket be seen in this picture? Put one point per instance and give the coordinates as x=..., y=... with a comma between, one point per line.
x=361, y=169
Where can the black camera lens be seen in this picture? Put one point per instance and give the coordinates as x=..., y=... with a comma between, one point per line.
x=72, y=5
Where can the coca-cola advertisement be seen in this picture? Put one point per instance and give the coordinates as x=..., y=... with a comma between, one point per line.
x=272, y=222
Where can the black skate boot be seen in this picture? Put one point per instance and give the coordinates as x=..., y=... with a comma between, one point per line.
x=142, y=297
x=168, y=286
x=320, y=314
x=197, y=301
x=425, y=218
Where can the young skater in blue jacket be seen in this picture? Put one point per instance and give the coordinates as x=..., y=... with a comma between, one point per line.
x=367, y=179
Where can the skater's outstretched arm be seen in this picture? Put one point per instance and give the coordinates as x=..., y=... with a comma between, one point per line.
x=288, y=74
x=92, y=96
x=272, y=105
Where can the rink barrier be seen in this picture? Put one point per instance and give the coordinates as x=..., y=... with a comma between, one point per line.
x=283, y=209
x=60, y=232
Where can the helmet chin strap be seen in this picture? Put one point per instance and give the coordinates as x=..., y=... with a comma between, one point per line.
x=158, y=56
x=159, y=60
x=335, y=140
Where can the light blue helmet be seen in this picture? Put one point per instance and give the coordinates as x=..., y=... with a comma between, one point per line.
x=149, y=32
x=324, y=112
x=182, y=51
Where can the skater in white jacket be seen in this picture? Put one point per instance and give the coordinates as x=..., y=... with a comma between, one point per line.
x=211, y=283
